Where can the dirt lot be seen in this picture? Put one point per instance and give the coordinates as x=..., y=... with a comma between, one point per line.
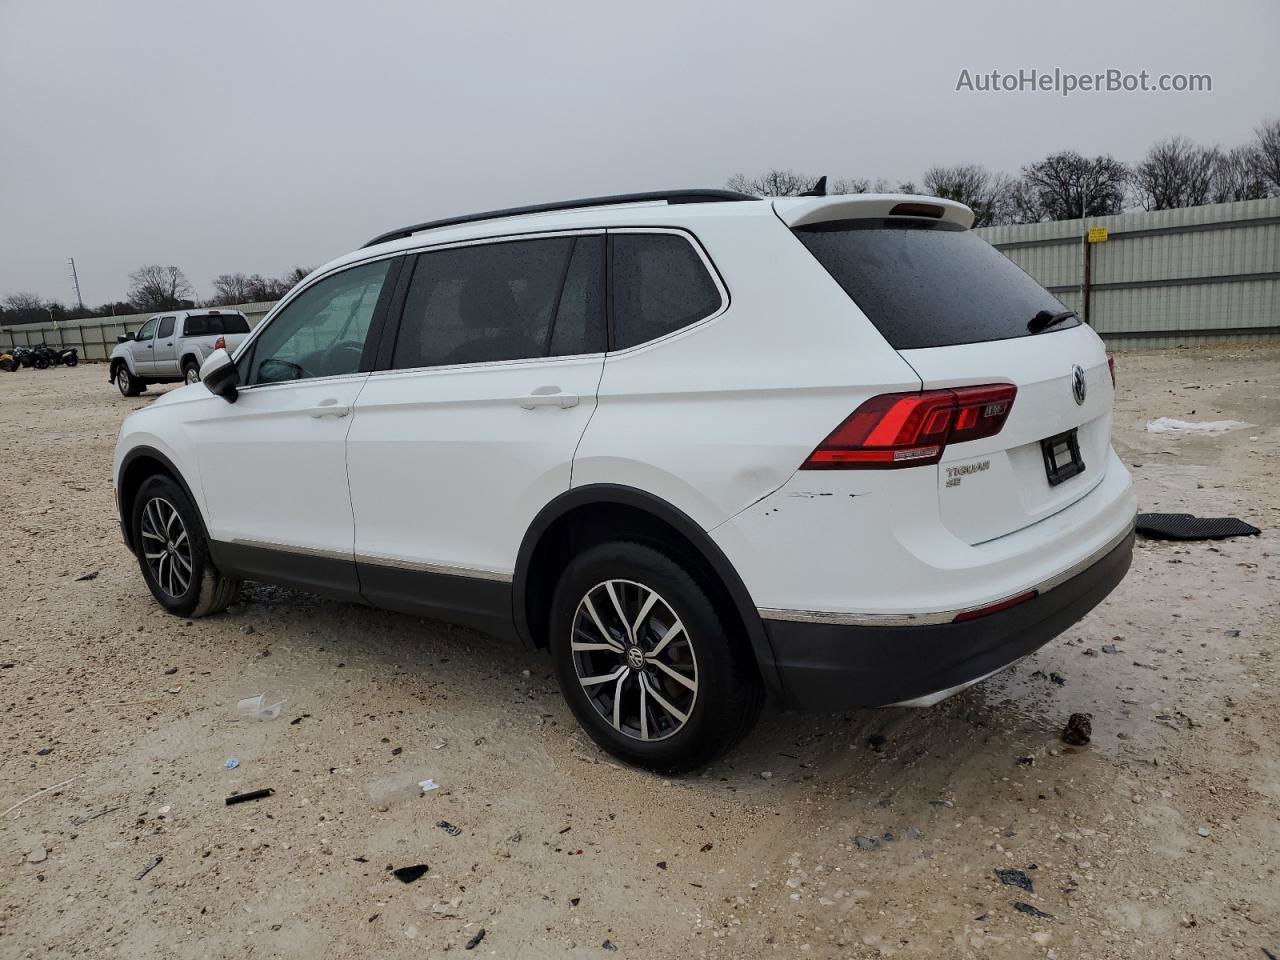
x=1160, y=839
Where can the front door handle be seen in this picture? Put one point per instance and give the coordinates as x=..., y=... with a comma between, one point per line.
x=329, y=408
x=548, y=397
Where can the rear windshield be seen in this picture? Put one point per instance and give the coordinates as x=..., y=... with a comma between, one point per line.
x=927, y=283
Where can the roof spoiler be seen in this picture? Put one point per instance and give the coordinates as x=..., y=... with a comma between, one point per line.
x=805, y=210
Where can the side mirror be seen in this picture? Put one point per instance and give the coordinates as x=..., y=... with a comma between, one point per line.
x=220, y=375
x=128, y=335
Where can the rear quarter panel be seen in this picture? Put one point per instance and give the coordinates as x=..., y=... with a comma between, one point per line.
x=716, y=416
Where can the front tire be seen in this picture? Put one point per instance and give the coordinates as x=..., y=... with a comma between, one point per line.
x=127, y=383
x=174, y=554
x=649, y=666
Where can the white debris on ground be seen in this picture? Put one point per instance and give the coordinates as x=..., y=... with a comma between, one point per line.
x=1170, y=425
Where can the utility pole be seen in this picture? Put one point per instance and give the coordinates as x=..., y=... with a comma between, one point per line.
x=75, y=280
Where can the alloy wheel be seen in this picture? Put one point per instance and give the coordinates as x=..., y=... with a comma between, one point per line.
x=193, y=375
x=634, y=660
x=166, y=547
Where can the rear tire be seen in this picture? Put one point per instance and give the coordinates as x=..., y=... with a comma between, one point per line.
x=173, y=552
x=127, y=384
x=686, y=688
x=190, y=372
x=72, y=361
x=42, y=363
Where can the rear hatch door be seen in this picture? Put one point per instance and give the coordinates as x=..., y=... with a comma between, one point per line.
x=963, y=314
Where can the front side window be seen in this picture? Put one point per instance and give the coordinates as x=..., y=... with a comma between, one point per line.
x=166, y=327
x=659, y=285
x=321, y=332
x=148, y=329
x=512, y=300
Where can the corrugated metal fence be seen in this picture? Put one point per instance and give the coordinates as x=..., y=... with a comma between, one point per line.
x=1166, y=278
x=95, y=337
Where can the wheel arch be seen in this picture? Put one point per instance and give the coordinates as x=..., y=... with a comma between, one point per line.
x=598, y=512
x=136, y=466
x=190, y=354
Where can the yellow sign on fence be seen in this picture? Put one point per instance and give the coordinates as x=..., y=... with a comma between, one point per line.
x=1097, y=235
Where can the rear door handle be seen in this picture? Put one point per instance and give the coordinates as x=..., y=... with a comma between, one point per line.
x=329, y=408
x=548, y=397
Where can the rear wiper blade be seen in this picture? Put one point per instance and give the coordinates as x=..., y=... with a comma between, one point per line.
x=1044, y=320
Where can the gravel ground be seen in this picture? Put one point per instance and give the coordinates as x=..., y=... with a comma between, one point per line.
x=873, y=833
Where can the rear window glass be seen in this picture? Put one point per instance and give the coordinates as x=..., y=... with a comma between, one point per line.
x=231, y=323
x=929, y=284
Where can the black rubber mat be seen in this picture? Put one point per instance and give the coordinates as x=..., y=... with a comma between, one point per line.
x=1185, y=526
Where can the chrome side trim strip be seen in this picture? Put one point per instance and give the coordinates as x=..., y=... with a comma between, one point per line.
x=289, y=548
x=940, y=616
x=397, y=563
x=441, y=568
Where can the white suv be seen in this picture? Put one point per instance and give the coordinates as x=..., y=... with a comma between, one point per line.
x=699, y=445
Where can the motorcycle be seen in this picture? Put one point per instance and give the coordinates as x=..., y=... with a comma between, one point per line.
x=67, y=356
x=43, y=357
x=24, y=356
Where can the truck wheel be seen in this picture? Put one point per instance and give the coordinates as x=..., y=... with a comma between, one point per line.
x=190, y=372
x=127, y=384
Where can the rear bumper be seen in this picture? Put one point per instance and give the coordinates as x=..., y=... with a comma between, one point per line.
x=835, y=666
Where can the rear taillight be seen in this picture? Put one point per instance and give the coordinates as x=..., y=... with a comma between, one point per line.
x=909, y=429
x=220, y=343
x=1111, y=366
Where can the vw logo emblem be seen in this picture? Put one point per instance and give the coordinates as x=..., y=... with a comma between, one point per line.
x=635, y=658
x=1079, y=387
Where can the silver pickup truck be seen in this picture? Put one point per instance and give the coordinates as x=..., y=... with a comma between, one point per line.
x=171, y=346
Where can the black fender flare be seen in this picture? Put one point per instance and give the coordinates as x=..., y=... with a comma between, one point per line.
x=610, y=493
x=151, y=453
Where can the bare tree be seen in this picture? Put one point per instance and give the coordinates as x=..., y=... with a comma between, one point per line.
x=154, y=287
x=1266, y=145
x=788, y=183
x=1057, y=187
x=230, y=289
x=772, y=183
x=1175, y=173
x=983, y=192
x=23, y=301
x=297, y=275
x=1237, y=175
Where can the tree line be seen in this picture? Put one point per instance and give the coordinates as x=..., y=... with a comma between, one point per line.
x=153, y=287
x=1175, y=172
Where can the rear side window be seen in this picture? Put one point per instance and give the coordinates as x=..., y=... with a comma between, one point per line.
x=659, y=285
x=928, y=283
x=513, y=300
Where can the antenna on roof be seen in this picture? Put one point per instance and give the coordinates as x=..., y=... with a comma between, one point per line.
x=819, y=189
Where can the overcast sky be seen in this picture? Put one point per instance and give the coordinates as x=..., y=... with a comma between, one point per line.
x=257, y=136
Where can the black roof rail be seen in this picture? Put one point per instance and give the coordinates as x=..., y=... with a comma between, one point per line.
x=671, y=196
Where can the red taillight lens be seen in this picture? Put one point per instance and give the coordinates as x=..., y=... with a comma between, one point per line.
x=909, y=429
x=220, y=343
x=1111, y=366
